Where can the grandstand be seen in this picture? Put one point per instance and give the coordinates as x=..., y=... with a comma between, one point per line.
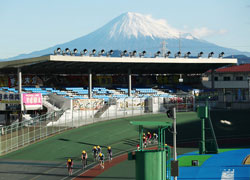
x=71, y=99
x=78, y=98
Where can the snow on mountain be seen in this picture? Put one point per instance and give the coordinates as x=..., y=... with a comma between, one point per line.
x=134, y=31
x=137, y=25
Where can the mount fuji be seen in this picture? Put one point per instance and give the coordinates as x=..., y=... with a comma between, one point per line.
x=134, y=31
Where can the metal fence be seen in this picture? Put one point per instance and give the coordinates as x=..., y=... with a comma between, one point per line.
x=23, y=133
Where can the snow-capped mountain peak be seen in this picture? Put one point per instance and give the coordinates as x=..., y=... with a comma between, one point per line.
x=137, y=25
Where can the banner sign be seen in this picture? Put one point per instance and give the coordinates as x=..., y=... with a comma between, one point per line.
x=87, y=104
x=130, y=103
x=30, y=99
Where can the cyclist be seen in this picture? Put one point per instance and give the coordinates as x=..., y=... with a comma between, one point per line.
x=70, y=166
x=84, y=158
x=144, y=142
x=138, y=147
x=155, y=138
x=99, y=149
x=101, y=160
x=94, y=150
x=149, y=136
x=109, y=152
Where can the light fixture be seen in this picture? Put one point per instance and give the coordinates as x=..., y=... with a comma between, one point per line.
x=66, y=51
x=84, y=52
x=132, y=54
x=142, y=54
x=221, y=55
x=124, y=53
x=110, y=53
x=210, y=54
x=57, y=51
x=200, y=54
x=167, y=54
x=178, y=54
x=101, y=52
x=75, y=51
x=187, y=54
x=92, y=52
x=157, y=53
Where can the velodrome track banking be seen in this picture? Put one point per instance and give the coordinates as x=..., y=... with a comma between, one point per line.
x=47, y=159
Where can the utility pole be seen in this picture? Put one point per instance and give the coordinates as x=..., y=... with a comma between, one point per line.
x=171, y=113
x=174, y=137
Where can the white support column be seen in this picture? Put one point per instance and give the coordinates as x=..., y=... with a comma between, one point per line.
x=174, y=138
x=19, y=74
x=129, y=82
x=90, y=84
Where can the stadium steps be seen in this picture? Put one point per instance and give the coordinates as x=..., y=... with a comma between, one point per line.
x=101, y=111
x=49, y=106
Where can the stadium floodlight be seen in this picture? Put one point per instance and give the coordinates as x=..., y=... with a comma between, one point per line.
x=167, y=54
x=221, y=55
x=67, y=51
x=124, y=53
x=92, y=53
x=142, y=54
x=57, y=51
x=187, y=54
x=210, y=54
x=101, y=52
x=75, y=51
x=110, y=53
x=200, y=54
x=84, y=52
x=178, y=54
x=132, y=54
x=157, y=53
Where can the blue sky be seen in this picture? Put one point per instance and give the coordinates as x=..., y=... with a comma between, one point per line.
x=30, y=25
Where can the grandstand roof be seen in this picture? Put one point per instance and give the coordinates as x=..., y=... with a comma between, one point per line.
x=58, y=64
x=237, y=68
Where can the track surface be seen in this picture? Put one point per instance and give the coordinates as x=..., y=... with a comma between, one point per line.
x=46, y=159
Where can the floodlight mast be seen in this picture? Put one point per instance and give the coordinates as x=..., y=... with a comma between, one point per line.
x=174, y=137
x=171, y=113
